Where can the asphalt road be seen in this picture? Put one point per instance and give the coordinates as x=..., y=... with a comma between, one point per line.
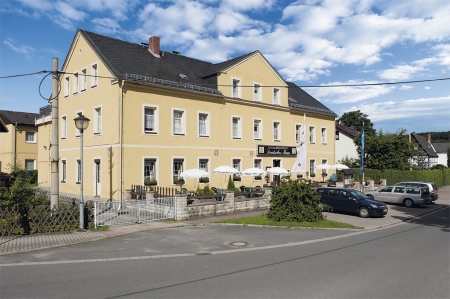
x=407, y=260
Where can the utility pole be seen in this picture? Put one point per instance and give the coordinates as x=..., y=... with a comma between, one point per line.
x=54, y=158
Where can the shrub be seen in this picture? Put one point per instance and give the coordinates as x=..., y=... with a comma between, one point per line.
x=231, y=186
x=150, y=182
x=295, y=201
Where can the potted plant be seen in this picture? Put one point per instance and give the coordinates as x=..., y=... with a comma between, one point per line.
x=258, y=177
x=150, y=182
x=312, y=175
x=204, y=180
x=236, y=178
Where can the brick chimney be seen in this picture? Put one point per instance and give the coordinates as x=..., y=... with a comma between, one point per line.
x=153, y=46
x=429, y=137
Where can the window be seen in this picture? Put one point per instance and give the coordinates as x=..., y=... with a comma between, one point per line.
x=30, y=164
x=30, y=137
x=276, y=96
x=78, y=171
x=97, y=120
x=63, y=171
x=94, y=75
x=236, y=129
x=203, y=164
x=257, y=92
x=257, y=163
x=177, y=169
x=150, y=120
x=75, y=83
x=323, y=135
x=276, y=131
x=149, y=169
x=178, y=122
x=236, y=88
x=399, y=189
x=64, y=127
x=257, y=129
x=237, y=165
x=312, y=135
x=298, y=132
x=66, y=86
x=337, y=135
x=83, y=79
x=203, y=124
x=324, y=161
x=312, y=167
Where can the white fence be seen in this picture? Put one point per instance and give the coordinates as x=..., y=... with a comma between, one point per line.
x=111, y=213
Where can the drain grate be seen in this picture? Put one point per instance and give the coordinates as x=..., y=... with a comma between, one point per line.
x=239, y=244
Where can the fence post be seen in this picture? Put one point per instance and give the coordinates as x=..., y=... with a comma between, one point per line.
x=128, y=194
x=180, y=207
x=229, y=197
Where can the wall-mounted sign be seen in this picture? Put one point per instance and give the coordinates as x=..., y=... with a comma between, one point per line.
x=271, y=150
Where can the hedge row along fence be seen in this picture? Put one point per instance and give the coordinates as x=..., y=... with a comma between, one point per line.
x=441, y=177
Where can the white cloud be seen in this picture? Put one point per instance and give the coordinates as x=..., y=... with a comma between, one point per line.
x=406, y=87
x=106, y=26
x=400, y=72
x=21, y=49
x=242, y=5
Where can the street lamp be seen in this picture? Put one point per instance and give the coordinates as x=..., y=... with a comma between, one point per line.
x=81, y=122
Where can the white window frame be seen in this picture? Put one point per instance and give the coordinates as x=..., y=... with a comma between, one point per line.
x=182, y=122
x=32, y=135
x=236, y=128
x=66, y=86
x=97, y=120
x=94, y=75
x=83, y=80
x=312, y=166
x=238, y=167
x=64, y=127
x=206, y=124
x=200, y=165
x=312, y=134
x=155, y=119
x=236, y=88
x=276, y=96
x=298, y=133
x=257, y=92
x=324, y=161
x=257, y=134
x=30, y=161
x=174, y=161
x=75, y=83
x=63, y=170
x=276, y=126
x=155, y=162
x=323, y=135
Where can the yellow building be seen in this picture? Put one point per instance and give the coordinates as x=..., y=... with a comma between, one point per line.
x=18, y=140
x=154, y=114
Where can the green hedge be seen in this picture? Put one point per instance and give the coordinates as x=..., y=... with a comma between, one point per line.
x=441, y=177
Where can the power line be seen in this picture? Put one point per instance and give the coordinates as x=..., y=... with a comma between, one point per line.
x=21, y=75
x=374, y=84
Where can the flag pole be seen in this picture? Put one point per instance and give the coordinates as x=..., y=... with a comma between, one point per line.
x=362, y=158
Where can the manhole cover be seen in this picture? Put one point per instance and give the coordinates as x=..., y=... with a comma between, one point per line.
x=239, y=244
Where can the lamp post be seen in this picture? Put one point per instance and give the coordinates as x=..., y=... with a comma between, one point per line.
x=81, y=122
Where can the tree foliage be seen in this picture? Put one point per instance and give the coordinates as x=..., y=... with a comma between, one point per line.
x=295, y=201
x=356, y=119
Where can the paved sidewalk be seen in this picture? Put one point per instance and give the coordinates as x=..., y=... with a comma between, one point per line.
x=16, y=244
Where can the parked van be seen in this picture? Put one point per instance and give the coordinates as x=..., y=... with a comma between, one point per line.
x=406, y=195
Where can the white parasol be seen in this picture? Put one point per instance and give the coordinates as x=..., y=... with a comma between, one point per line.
x=194, y=173
x=253, y=172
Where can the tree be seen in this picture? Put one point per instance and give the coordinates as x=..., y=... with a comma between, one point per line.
x=356, y=119
x=386, y=151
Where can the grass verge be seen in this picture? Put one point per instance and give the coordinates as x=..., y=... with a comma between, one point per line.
x=263, y=220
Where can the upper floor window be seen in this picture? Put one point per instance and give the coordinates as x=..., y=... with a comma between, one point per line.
x=257, y=130
x=97, y=120
x=276, y=96
x=236, y=129
x=312, y=135
x=179, y=122
x=94, y=75
x=75, y=83
x=83, y=79
x=257, y=92
x=203, y=124
x=276, y=131
x=150, y=120
x=236, y=88
x=298, y=132
x=30, y=137
x=63, y=127
x=323, y=135
x=66, y=86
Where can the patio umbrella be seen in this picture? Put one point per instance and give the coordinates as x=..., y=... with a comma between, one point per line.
x=339, y=166
x=194, y=173
x=278, y=171
x=324, y=166
x=253, y=171
x=225, y=169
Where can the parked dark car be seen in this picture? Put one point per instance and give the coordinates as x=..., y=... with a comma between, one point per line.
x=351, y=201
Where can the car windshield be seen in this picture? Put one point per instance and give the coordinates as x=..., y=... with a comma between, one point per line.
x=358, y=195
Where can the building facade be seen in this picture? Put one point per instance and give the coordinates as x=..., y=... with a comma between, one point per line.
x=154, y=114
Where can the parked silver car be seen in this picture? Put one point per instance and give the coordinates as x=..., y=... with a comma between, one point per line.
x=431, y=186
x=406, y=195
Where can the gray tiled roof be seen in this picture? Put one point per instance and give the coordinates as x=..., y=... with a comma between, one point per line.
x=425, y=145
x=21, y=118
x=441, y=147
x=351, y=132
x=298, y=98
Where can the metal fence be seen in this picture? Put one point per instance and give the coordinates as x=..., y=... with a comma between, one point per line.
x=112, y=213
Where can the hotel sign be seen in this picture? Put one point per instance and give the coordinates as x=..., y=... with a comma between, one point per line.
x=282, y=151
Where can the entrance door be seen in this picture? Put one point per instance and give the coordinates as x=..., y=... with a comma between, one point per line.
x=276, y=177
x=98, y=186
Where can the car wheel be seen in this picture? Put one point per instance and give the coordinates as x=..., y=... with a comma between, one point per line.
x=363, y=212
x=408, y=203
x=370, y=196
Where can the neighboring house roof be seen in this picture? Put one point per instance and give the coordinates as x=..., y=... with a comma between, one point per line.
x=132, y=61
x=21, y=118
x=348, y=171
x=441, y=147
x=349, y=131
x=424, y=144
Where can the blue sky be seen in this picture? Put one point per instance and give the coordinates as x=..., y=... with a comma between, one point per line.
x=310, y=42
